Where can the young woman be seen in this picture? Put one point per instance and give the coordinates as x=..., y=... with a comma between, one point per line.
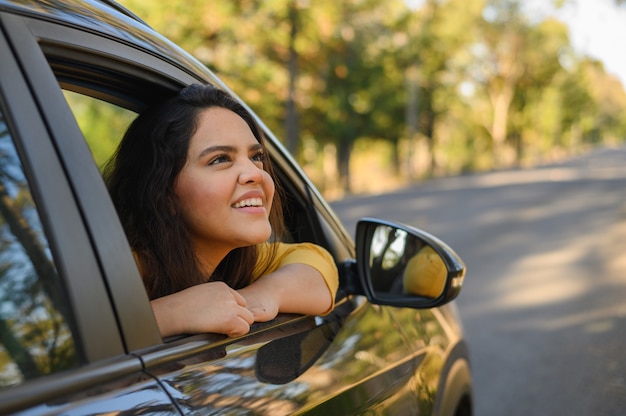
x=196, y=195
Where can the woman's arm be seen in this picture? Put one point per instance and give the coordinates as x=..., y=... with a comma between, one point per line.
x=293, y=288
x=209, y=307
x=302, y=278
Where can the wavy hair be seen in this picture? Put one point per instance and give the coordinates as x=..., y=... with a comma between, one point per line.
x=140, y=177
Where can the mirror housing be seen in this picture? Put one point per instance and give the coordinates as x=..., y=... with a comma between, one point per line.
x=399, y=265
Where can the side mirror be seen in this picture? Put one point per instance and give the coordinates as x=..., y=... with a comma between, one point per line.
x=399, y=265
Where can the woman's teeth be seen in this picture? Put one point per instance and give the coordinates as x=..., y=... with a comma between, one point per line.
x=252, y=202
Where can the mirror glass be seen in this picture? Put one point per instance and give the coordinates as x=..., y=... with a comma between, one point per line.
x=401, y=263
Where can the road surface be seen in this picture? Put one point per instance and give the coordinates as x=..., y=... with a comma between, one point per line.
x=544, y=300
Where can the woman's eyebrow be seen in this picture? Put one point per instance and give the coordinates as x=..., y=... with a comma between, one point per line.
x=227, y=149
x=218, y=148
x=257, y=146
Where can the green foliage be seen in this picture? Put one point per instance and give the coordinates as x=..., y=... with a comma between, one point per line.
x=473, y=83
x=34, y=337
x=102, y=124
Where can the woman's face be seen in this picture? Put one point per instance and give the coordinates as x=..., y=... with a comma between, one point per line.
x=225, y=195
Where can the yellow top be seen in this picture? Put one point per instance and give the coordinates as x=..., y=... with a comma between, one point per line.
x=425, y=274
x=286, y=253
x=304, y=253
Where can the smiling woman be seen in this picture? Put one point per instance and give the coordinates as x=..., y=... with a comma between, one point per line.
x=225, y=195
x=197, y=198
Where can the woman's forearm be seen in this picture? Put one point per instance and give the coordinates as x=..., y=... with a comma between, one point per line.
x=293, y=288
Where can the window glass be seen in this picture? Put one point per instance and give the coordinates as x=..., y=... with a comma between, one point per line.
x=35, y=334
x=103, y=124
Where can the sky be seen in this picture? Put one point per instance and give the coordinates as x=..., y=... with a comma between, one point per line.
x=597, y=29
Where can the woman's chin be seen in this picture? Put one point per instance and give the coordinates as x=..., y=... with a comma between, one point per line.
x=255, y=237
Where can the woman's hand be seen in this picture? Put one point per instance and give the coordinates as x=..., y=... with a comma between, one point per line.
x=293, y=288
x=209, y=307
x=262, y=300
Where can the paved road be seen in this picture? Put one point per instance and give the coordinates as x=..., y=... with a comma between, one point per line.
x=544, y=301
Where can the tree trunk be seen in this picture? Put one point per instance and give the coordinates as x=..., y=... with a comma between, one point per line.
x=28, y=240
x=428, y=118
x=412, y=118
x=20, y=355
x=501, y=101
x=429, y=131
x=291, y=115
x=343, y=165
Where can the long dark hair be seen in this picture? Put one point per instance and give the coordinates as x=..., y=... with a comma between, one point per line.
x=141, y=176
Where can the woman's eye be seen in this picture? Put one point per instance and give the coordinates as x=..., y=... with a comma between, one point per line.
x=219, y=159
x=259, y=157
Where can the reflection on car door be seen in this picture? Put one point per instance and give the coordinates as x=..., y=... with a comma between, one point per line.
x=352, y=361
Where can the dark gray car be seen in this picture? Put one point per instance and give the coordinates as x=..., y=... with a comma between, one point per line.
x=77, y=334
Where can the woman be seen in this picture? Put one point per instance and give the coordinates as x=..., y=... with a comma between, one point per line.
x=196, y=196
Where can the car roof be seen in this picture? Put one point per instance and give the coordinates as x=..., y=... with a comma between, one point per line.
x=69, y=10
x=108, y=18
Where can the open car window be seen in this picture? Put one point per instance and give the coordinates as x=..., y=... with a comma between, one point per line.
x=102, y=124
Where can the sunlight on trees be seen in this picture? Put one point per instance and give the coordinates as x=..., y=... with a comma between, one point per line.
x=397, y=91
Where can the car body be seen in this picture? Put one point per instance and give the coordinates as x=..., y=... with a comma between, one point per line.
x=77, y=334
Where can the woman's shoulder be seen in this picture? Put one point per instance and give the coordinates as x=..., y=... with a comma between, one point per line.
x=271, y=256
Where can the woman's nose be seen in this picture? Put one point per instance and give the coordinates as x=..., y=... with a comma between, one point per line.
x=250, y=173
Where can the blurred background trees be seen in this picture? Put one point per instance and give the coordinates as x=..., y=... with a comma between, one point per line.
x=369, y=94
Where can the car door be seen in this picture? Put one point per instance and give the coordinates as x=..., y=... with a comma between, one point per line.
x=61, y=348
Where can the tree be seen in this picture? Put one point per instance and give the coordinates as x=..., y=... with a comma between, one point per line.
x=437, y=33
x=35, y=316
x=504, y=34
x=350, y=74
x=466, y=78
x=537, y=104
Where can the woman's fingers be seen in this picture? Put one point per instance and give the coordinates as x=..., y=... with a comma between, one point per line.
x=246, y=315
x=241, y=301
x=239, y=322
x=210, y=307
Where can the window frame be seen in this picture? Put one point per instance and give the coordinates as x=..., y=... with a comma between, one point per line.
x=96, y=325
x=97, y=339
x=118, y=274
x=63, y=46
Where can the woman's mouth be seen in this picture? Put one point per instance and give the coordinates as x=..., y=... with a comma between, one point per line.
x=250, y=202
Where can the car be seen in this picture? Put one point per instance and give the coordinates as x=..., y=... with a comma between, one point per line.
x=77, y=333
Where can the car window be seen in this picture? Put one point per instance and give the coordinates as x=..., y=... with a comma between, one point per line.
x=35, y=322
x=102, y=123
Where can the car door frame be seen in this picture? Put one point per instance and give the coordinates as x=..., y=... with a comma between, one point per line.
x=119, y=269
x=100, y=348
x=39, y=40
